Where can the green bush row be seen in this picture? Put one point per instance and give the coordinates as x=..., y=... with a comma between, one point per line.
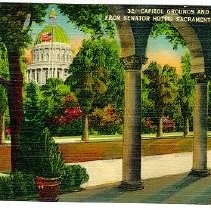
x=16, y=185
x=19, y=185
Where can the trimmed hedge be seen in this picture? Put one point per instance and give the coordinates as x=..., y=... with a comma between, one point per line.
x=16, y=185
x=21, y=185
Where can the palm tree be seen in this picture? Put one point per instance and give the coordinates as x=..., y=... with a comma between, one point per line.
x=162, y=89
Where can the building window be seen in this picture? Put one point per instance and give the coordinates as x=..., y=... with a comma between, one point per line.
x=33, y=75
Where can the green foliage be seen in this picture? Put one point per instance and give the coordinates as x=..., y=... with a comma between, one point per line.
x=32, y=101
x=22, y=184
x=53, y=93
x=16, y=20
x=162, y=90
x=162, y=87
x=74, y=128
x=39, y=154
x=16, y=185
x=186, y=87
x=41, y=105
x=170, y=32
x=80, y=175
x=50, y=160
x=19, y=184
x=94, y=72
x=89, y=18
x=12, y=19
x=6, y=189
x=73, y=177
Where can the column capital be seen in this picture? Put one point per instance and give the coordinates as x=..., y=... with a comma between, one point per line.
x=133, y=62
x=200, y=77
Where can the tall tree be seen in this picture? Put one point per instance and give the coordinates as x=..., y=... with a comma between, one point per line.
x=185, y=90
x=97, y=56
x=15, y=21
x=162, y=89
x=92, y=71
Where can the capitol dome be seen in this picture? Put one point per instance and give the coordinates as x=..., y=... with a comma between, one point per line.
x=57, y=33
x=51, y=54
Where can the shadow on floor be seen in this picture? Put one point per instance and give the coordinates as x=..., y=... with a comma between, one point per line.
x=181, y=188
x=170, y=190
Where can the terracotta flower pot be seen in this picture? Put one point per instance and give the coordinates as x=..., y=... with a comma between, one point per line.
x=48, y=188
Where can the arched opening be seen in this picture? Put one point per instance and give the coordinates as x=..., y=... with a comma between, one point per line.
x=133, y=39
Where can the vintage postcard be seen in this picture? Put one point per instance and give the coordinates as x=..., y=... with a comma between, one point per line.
x=105, y=103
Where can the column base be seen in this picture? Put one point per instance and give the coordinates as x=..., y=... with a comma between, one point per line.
x=199, y=173
x=131, y=186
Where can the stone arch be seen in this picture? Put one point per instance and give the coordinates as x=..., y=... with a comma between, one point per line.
x=194, y=45
x=133, y=56
x=127, y=42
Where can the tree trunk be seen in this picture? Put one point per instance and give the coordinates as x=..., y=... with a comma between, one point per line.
x=85, y=127
x=2, y=128
x=15, y=103
x=160, y=127
x=185, y=126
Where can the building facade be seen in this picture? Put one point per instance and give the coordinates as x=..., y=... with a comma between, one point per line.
x=51, y=54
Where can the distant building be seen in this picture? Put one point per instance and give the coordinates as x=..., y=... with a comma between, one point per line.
x=51, y=54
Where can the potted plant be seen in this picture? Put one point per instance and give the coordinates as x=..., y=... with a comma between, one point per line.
x=49, y=168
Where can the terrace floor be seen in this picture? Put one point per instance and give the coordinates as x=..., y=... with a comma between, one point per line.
x=166, y=180
x=172, y=189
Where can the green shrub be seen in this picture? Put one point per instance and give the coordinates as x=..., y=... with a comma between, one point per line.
x=73, y=177
x=80, y=174
x=22, y=184
x=6, y=189
x=18, y=184
x=50, y=162
x=74, y=128
x=39, y=154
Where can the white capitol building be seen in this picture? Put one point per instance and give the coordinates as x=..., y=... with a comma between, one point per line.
x=51, y=54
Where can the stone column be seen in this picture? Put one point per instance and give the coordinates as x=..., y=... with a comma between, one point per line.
x=200, y=113
x=132, y=125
